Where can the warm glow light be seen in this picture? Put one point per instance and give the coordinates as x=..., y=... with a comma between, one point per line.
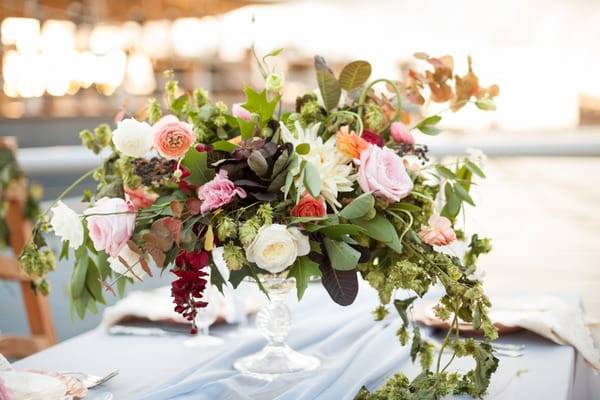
x=139, y=78
x=59, y=69
x=58, y=36
x=23, y=32
x=132, y=34
x=205, y=34
x=85, y=70
x=156, y=38
x=110, y=68
x=105, y=38
x=10, y=72
x=31, y=82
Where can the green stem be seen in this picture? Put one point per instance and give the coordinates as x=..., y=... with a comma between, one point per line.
x=460, y=103
x=354, y=115
x=444, y=343
x=67, y=190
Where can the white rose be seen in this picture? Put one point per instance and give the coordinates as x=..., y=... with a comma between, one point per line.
x=276, y=247
x=132, y=259
x=67, y=224
x=274, y=82
x=133, y=138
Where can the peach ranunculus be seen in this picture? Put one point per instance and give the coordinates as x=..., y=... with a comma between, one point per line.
x=382, y=172
x=350, y=143
x=172, y=138
x=140, y=198
x=439, y=232
x=308, y=206
x=110, y=222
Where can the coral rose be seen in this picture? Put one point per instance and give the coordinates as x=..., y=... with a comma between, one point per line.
x=349, y=143
x=218, y=192
x=401, y=134
x=172, y=138
x=439, y=232
x=309, y=207
x=140, y=198
x=382, y=172
x=111, y=231
x=373, y=138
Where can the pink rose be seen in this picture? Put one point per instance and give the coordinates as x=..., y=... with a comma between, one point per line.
x=382, y=172
x=240, y=112
x=6, y=393
x=401, y=134
x=112, y=231
x=218, y=192
x=140, y=198
x=172, y=138
x=439, y=232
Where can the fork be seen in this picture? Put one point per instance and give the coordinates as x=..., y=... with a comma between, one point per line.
x=91, y=381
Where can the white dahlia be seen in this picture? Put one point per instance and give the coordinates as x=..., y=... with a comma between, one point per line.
x=334, y=167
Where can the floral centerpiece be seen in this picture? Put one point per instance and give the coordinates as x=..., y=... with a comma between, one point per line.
x=337, y=188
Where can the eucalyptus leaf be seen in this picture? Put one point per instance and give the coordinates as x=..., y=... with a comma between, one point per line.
x=79, y=272
x=463, y=194
x=337, y=232
x=445, y=172
x=312, y=179
x=474, y=168
x=280, y=163
x=380, y=228
x=342, y=256
x=359, y=207
x=486, y=104
x=453, y=202
x=430, y=130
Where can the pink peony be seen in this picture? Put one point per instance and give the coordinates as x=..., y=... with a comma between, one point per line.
x=382, y=172
x=140, y=198
x=172, y=138
x=439, y=232
x=112, y=231
x=240, y=112
x=401, y=134
x=218, y=192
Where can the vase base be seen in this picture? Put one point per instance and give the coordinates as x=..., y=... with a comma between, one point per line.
x=272, y=361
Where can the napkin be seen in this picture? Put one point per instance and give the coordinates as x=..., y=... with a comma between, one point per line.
x=552, y=317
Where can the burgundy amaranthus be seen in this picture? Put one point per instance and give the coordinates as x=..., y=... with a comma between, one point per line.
x=188, y=290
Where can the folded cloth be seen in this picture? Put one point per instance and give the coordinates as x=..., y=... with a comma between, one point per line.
x=552, y=317
x=157, y=306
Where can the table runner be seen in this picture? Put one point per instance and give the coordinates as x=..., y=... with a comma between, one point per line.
x=354, y=350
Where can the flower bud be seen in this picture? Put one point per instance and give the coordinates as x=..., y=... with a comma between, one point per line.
x=233, y=256
x=226, y=228
x=248, y=231
x=221, y=107
x=274, y=82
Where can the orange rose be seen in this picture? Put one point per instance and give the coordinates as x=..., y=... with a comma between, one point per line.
x=172, y=138
x=349, y=143
x=309, y=207
x=140, y=198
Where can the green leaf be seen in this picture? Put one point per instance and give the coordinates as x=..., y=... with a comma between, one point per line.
x=237, y=276
x=416, y=343
x=178, y=103
x=216, y=278
x=453, y=202
x=402, y=308
x=312, y=179
x=485, y=365
x=258, y=103
x=485, y=104
x=355, y=74
x=92, y=284
x=224, y=145
x=303, y=148
x=80, y=303
x=337, y=232
x=445, y=172
x=280, y=163
x=121, y=283
x=342, y=256
x=329, y=87
x=79, y=272
x=302, y=269
x=434, y=119
x=196, y=162
x=64, y=253
x=380, y=228
x=273, y=53
x=463, y=194
x=405, y=206
x=359, y=207
x=246, y=128
x=430, y=130
x=474, y=168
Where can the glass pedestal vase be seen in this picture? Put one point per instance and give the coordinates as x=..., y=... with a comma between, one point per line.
x=274, y=322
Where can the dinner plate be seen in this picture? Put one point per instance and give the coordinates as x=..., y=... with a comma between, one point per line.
x=74, y=386
x=32, y=386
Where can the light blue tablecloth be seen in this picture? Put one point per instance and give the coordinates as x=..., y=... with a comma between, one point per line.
x=354, y=351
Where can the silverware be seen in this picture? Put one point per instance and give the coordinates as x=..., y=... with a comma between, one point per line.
x=91, y=381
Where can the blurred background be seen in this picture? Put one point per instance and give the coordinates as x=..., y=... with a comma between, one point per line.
x=68, y=65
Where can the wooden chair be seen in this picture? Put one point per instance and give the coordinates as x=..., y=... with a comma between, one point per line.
x=36, y=306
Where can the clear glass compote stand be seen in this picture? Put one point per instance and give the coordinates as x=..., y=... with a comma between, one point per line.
x=274, y=322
